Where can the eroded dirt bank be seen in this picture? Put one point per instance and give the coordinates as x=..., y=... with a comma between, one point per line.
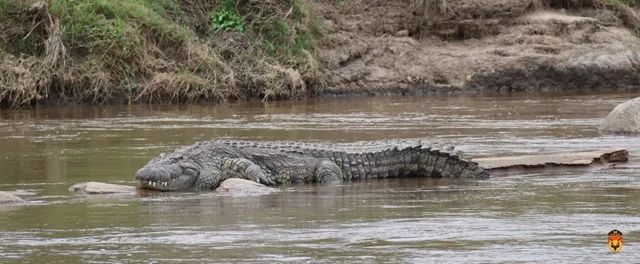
x=381, y=47
x=56, y=51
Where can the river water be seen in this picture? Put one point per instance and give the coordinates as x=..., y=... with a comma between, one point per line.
x=554, y=216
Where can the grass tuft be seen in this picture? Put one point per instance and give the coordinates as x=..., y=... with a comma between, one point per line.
x=624, y=11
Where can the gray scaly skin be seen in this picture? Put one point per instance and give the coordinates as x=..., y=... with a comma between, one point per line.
x=204, y=165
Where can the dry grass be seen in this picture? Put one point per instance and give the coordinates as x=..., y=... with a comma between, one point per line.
x=626, y=13
x=88, y=81
x=55, y=51
x=284, y=83
x=250, y=71
x=264, y=77
x=202, y=76
x=27, y=79
x=101, y=51
x=459, y=19
x=176, y=87
x=621, y=8
x=22, y=80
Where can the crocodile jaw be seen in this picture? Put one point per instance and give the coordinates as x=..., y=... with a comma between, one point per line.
x=165, y=177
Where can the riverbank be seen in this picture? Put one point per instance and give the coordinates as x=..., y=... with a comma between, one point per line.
x=170, y=51
x=386, y=47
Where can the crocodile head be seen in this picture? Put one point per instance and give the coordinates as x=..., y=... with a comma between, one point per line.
x=196, y=167
x=173, y=172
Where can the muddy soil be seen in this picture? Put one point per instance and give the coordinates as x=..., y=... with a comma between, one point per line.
x=391, y=47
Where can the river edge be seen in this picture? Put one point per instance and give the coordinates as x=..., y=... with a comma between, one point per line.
x=362, y=48
x=433, y=92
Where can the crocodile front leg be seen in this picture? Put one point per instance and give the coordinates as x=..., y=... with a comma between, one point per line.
x=208, y=179
x=244, y=169
x=328, y=172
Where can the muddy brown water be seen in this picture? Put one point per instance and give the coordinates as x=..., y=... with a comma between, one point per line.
x=555, y=216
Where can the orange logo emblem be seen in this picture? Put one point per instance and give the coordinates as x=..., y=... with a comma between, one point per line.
x=615, y=241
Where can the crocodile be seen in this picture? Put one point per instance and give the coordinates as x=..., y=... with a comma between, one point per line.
x=202, y=166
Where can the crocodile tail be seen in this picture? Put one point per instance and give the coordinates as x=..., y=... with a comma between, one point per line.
x=441, y=162
x=414, y=160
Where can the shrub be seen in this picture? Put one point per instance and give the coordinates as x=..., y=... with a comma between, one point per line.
x=226, y=18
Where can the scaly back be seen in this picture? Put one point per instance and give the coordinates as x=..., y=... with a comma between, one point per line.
x=378, y=159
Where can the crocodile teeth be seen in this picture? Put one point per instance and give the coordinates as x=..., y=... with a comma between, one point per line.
x=153, y=184
x=164, y=184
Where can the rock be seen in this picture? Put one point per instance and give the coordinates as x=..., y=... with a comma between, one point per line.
x=242, y=186
x=101, y=188
x=9, y=198
x=402, y=33
x=624, y=119
x=554, y=160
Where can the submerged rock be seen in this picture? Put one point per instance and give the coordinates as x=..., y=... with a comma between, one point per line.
x=233, y=185
x=242, y=186
x=101, y=188
x=623, y=119
x=9, y=198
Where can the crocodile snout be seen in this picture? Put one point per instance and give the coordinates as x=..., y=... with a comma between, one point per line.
x=149, y=174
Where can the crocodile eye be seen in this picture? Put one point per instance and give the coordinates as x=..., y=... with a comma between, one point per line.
x=189, y=172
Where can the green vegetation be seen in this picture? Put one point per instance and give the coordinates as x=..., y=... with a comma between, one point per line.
x=226, y=18
x=154, y=50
